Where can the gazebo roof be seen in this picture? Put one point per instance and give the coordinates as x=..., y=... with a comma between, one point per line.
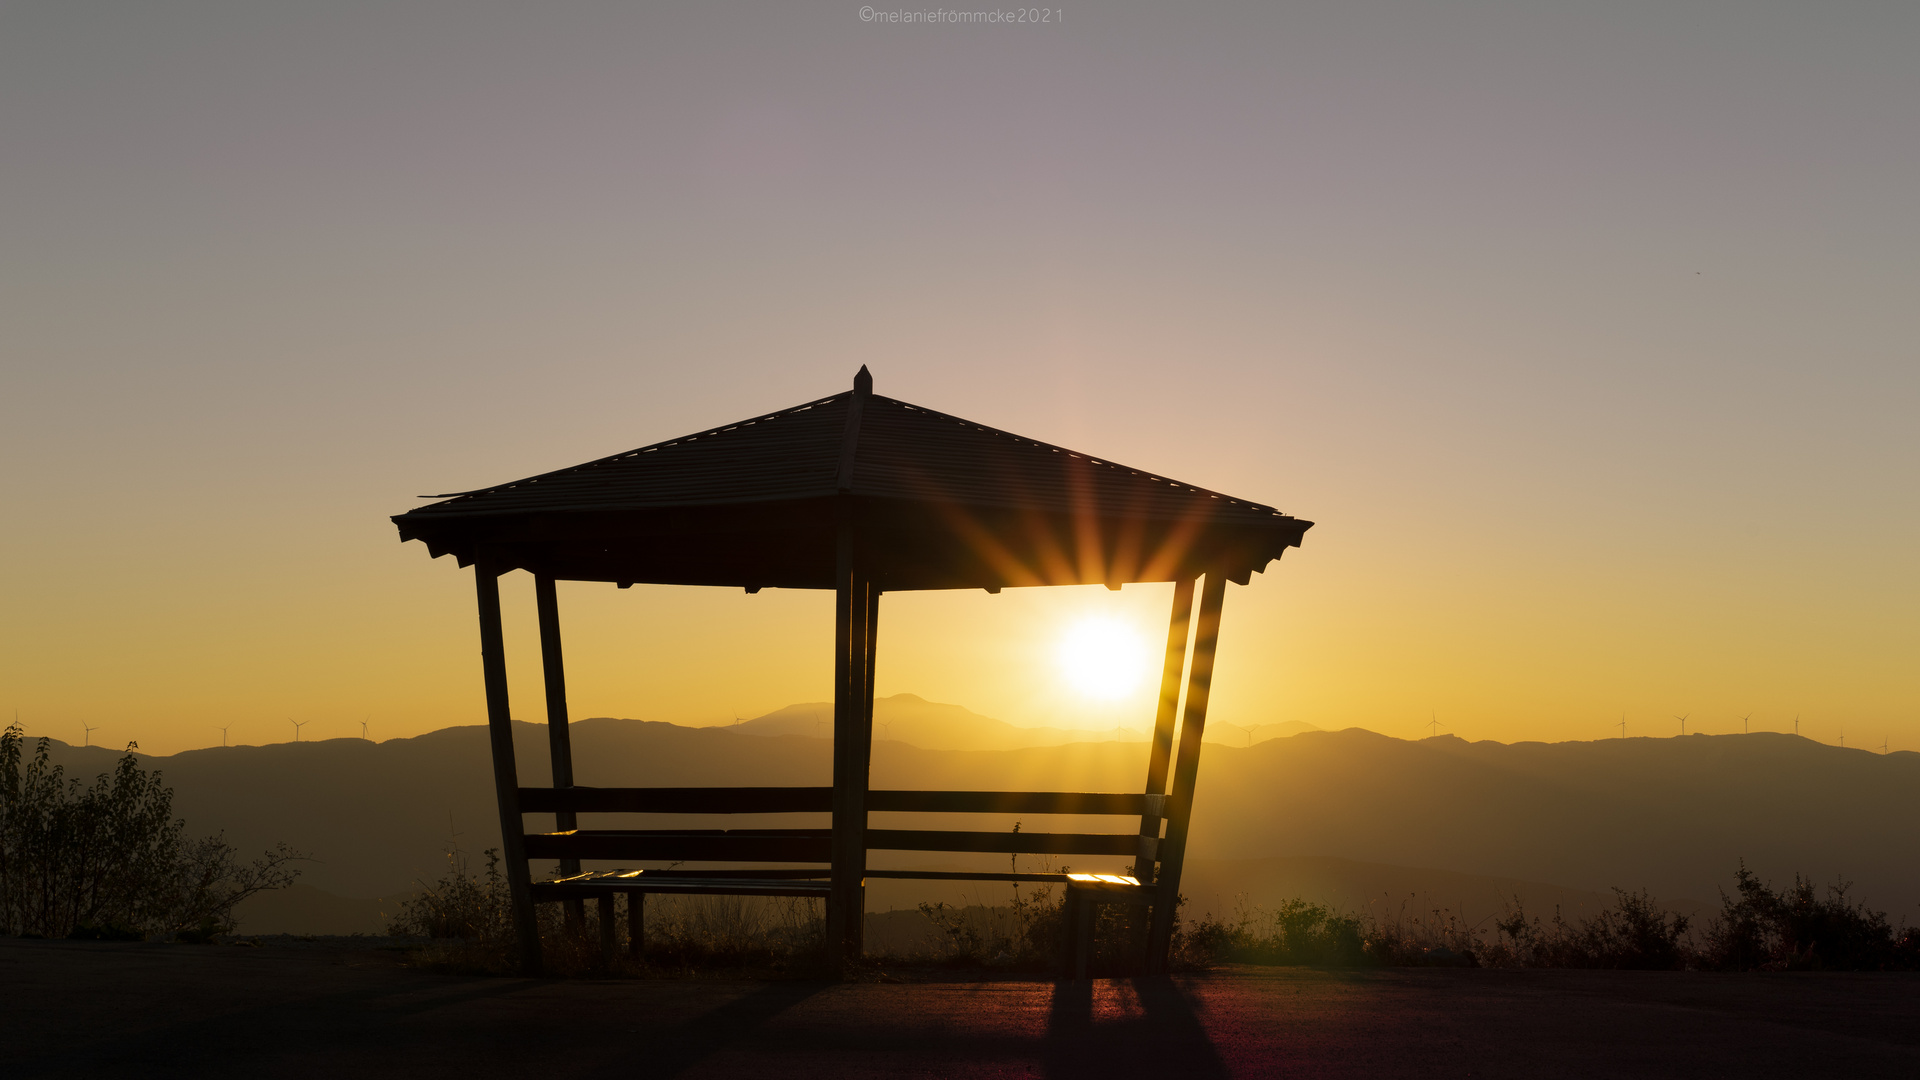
x=935, y=501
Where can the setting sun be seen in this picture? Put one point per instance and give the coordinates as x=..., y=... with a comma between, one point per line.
x=1103, y=657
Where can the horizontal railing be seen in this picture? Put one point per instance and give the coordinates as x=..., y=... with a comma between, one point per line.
x=819, y=800
x=1013, y=843
x=1016, y=802
x=717, y=845
x=688, y=800
x=814, y=845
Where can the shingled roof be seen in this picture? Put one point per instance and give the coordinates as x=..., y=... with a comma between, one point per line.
x=938, y=502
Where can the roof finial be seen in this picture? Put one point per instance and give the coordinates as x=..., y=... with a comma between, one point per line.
x=850, y=439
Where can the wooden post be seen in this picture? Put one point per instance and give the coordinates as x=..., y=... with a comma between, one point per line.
x=1161, y=752
x=559, y=738
x=854, y=606
x=636, y=924
x=604, y=910
x=1186, y=770
x=1083, y=918
x=1070, y=901
x=513, y=846
x=838, y=901
x=863, y=748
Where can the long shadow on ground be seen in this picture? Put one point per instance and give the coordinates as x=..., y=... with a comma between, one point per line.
x=1122, y=1028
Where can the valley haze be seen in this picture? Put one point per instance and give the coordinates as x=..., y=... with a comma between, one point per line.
x=1352, y=817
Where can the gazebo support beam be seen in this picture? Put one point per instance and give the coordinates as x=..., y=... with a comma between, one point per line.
x=1186, y=770
x=559, y=738
x=864, y=768
x=856, y=604
x=513, y=846
x=1161, y=753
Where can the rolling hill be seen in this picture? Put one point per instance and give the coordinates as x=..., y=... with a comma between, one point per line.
x=1347, y=816
x=929, y=725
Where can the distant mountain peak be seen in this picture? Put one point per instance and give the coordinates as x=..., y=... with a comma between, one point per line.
x=935, y=725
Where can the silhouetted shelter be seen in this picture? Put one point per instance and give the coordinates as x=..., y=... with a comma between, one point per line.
x=861, y=494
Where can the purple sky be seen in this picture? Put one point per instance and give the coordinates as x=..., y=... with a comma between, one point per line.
x=1584, y=330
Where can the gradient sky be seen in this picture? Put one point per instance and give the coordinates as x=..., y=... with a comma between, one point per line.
x=1586, y=332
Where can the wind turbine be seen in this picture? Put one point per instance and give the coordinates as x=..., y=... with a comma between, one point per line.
x=1883, y=745
x=1433, y=724
x=1623, y=725
x=1683, y=723
x=1743, y=723
x=363, y=727
x=297, y=725
x=1796, y=723
x=87, y=739
x=223, y=732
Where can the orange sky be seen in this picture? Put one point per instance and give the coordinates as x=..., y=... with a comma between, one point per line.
x=1582, y=334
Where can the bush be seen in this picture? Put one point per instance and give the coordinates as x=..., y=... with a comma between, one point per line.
x=1024, y=934
x=1759, y=930
x=1297, y=933
x=461, y=906
x=110, y=862
x=1636, y=934
x=1800, y=930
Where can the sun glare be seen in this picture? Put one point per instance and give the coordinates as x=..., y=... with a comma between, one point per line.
x=1102, y=657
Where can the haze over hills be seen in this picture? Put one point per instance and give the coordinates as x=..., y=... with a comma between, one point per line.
x=930, y=725
x=1346, y=816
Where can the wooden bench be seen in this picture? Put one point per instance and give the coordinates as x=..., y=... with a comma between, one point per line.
x=603, y=885
x=764, y=845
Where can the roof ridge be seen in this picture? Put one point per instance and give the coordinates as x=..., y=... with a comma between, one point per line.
x=975, y=424
x=627, y=454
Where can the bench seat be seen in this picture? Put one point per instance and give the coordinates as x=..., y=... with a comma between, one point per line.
x=1082, y=892
x=720, y=883
x=804, y=882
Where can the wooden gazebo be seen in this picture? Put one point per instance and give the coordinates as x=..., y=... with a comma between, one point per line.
x=861, y=494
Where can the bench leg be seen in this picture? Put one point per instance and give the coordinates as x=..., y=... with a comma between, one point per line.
x=1066, y=933
x=636, y=924
x=1076, y=933
x=604, y=902
x=1083, y=937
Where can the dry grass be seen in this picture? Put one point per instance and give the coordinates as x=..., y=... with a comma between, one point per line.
x=467, y=917
x=1756, y=929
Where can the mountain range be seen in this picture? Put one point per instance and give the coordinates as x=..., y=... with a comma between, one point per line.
x=1349, y=817
x=930, y=725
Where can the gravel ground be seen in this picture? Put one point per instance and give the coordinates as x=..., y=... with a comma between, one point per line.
x=345, y=1007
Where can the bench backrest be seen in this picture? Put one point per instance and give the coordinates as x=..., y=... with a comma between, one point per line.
x=813, y=845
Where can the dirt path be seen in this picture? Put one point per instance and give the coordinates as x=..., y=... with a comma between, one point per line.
x=80, y=1009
